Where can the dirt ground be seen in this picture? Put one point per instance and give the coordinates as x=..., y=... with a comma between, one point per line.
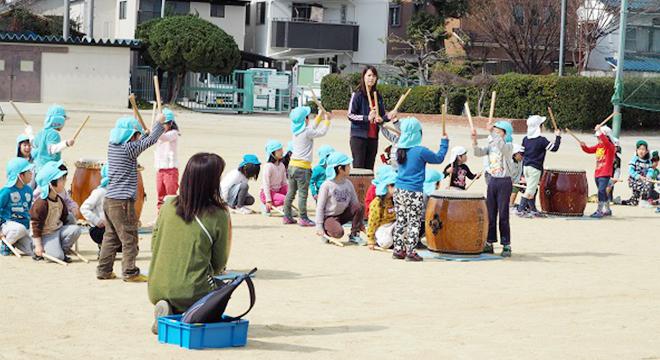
x=573, y=288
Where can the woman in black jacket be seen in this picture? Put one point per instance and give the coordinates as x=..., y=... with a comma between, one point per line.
x=365, y=122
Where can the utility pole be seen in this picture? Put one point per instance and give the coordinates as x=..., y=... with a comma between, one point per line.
x=562, y=36
x=65, y=22
x=162, y=8
x=617, y=98
x=90, y=19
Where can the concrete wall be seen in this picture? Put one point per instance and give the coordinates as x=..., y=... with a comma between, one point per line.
x=91, y=75
x=125, y=29
x=372, y=17
x=233, y=23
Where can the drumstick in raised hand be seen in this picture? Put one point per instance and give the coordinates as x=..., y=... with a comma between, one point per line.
x=552, y=118
x=491, y=113
x=469, y=115
x=473, y=181
x=402, y=99
x=157, y=90
x=443, y=116
x=317, y=101
x=573, y=135
x=602, y=123
x=20, y=114
x=136, y=112
x=75, y=135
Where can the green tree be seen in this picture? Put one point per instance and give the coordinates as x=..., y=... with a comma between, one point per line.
x=182, y=44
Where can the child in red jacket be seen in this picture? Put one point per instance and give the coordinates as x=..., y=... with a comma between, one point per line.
x=605, y=151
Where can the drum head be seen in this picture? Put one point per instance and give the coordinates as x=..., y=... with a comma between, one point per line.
x=89, y=163
x=454, y=194
x=566, y=171
x=361, y=172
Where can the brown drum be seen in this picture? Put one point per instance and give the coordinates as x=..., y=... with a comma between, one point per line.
x=564, y=192
x=87, y=177
x=456, y=222
x=361, y=179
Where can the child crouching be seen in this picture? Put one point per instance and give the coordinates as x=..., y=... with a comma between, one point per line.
x=234, y=187
x=15, y=203
x=381, y=212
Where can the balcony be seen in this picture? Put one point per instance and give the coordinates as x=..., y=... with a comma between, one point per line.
x=296, y=34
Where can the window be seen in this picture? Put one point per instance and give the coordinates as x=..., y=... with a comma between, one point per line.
x=27, y=66
x=122, y=10
x=395, y=15
x=261, y=13
x=655, y=41
x=631, y=39
x=301, y=11
x=248, y=9
x=342, y=14
x=177, y=7
x=217, y=10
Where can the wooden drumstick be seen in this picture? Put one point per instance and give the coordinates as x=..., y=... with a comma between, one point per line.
x=401, y=100
x=333, y=241
x=520, y=186
x=19, y=113
x=473, y=181
x=136, y=112
x=392, y=129
x=371, y=106
x=607, y=119
x=53, y=259
x=157, y=90
x=153, y=113
x=491, y=113
x=75, y=252
x=12, y=248
x=552, y=118
x=573, y=135
x=75, y=135
x=443, y=117
x=317, y=101
x=469, y=115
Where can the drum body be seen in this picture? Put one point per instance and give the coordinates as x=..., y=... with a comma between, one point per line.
x=87, y=177
x=361, y=179
x=564, y=192
x=456, y=222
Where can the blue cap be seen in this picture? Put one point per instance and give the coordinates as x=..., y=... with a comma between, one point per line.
x=432, y=177
x=21, y=138
x=105, y=179
x=272, y=146
x=508, y=129
x=249, y=159
x=335, y=159
x=323, y=152
x=169, y=115
x=411, y=133
x=49, y=172
x=298, y=116
x=16, y=167
x=124, y=129
x=55, y=117
x=383, y=180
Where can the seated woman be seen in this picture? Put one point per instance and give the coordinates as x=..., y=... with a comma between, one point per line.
x=191, y=239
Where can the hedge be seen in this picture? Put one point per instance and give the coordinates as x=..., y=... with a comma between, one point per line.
x=577, y=102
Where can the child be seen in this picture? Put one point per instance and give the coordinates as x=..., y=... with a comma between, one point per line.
x=125, y=145
x=458, y=169
x=615, y=176
x=300, y=169
x=49, y=215
x=637, y=169
x=338, y=203
x=409, y=193
x=536, y=146
x=167, y=178
x=517, y=171
x=432, y=182
x=604, y=150
x=24, y=150
x=48, y=143
x=381, y=214
x=15, y=203
x=234, y=187
x=92, y=208
x=318, y=173
x=371, y=191
x=393, y=138
x=500, y=164
x=274, y=187
x=652, y=175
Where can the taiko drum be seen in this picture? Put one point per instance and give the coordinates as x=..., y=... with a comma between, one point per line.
x=564, y=192
x=456, y=222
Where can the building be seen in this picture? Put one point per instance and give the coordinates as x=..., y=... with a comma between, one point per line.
x=400, y=15
x=345, y=33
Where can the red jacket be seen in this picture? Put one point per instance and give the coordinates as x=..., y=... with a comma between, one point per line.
x=605, y=151
x=368, y=198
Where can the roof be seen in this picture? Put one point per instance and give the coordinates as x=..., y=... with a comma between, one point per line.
x=33, y=38
x=638, y=63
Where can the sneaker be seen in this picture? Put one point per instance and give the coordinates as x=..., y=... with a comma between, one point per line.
x=538, y=214
x=524, y=214
x=657, y=210
x=607, y=213
x=399, y=255
x=67, y=259
x=162, y=308
x=488, y=249
x=506, y=251
x=356, y=239
x=414, y=257
x=288, y=221
x=244, y=211
x=597, y=215
x=110, y=276
x=420, y=246
x=305, y=222
x=617, y=200
x=139, y=278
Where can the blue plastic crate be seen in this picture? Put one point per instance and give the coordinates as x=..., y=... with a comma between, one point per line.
x=199, y=336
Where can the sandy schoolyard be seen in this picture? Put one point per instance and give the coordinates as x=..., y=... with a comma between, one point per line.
x=579, y=289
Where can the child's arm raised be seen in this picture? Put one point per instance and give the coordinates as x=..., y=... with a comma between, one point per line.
x=321, y=129
x=436, y=158
x=134, y=149
x=554, y=146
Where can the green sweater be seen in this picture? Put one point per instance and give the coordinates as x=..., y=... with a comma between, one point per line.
x=181, y=254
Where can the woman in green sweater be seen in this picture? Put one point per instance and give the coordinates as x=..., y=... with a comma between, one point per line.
x=191, y=239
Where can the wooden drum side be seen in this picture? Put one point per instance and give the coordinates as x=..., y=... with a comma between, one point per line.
x=457, y=226
x=564, y=193
x=85, y=180
x=361, y=184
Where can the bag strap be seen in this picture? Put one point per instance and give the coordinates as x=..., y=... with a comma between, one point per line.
x=209, y=276
x=253, y=298
x=208, y=235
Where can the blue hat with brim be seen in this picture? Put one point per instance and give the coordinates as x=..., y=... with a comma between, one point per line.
x=169, y=115
x=16, y=167
x=335, y=159
x=124, y=130
x=49, y=172
x=298, y=116
x=411, y=133
x=382, y=171
x=21, y=138
x=55, y=117
x=249, y=159
x=272, y=146
x=105, y=179
x=323, y=153
x=431, y=179
x=381, y=182
x=508, y=129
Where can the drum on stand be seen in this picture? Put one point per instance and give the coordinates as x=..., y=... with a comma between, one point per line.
x=456, y=222
x=564, y=192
